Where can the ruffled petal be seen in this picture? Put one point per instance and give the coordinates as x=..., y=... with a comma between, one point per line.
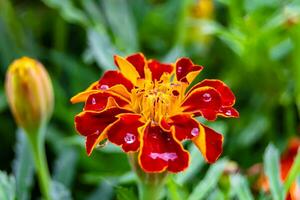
x=138, y=61
x=186, y=71
x=161, y=151
x=227, y=96
x=92, y=141
x=93, y=125
x=82, y=96
x=112, y=78
x=204, y=100
x=127, y=69
x=185, y=126
x=209, y=142
x=99, y=101
x=158, y=69
x=124, y=132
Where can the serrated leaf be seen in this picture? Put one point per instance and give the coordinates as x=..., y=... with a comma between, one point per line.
x=240, y=187
x=63, y=173
x=104, y=190
x=122, y=24
x=271, y=169
x=209, y=182
x=23, y=167
x=59, y=191
x=101, y=48
x=68, y=11
x=7, y=187
x=125, y=194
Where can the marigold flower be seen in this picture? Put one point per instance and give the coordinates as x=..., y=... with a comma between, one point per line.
x=29, y=92
x=144, y=107
x=286, y=162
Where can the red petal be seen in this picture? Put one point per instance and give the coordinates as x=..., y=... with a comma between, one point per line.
x=228, y=112
x=184, y=67
x=227, y=96
x=111, y=78
x=138, y=61
x=185, y=126
x=209, y=143
x=160, y=151
x=98, y=101
x=204, y=100
x=157, y=69
x=124, y=132
x=90, y=122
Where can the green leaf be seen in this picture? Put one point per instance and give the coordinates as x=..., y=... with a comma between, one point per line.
x=23, y=167
x=209, y=182
x=101, y=48
x=271, y=168
x=125, y=194
x=63, y=173
x=240, y=187
x=104, y=190
x=293, y=174
x=7, y=187
x=175, y=191
x=59, y=191
x=122, y=24
x=68, y=11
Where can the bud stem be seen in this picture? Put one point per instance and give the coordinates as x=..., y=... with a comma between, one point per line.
x=37, y=141
x=150, y=185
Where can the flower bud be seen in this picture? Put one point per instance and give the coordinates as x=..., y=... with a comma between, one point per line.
x=29, y=92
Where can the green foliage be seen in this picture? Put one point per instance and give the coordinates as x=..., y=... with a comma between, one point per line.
x=252, y=45
x=23, y=167
x=7, y=187
x=271, y=168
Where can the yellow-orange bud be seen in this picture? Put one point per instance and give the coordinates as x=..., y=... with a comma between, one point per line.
x=29, y=92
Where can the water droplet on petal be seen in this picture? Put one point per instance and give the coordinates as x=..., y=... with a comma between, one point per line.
x=179, y=69
x=129, y=138
x=93, y=101
x=206, y=97
x=104, y=87
x=164, y=156
x=228, y=112
x=195, y=132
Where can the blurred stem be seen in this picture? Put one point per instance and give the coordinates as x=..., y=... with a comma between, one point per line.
x=37, y=140
x=150, y=185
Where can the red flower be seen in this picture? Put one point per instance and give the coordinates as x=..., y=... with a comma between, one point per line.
x=144, y=107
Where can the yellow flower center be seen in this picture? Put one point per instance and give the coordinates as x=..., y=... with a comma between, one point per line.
x=157, y=99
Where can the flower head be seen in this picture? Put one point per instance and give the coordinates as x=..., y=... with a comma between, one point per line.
x=144, y=107
x=29, y=92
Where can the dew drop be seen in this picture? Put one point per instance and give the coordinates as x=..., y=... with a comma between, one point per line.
x=228, y=112
x=164, y=156
x=104, y=87
x=129, y=138
x=195, y=132
x=206, y=97
x=179, y=69
x=93, y=101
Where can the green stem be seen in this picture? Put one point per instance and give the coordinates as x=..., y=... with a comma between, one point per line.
x=37, y=141
x=150, y=185
x=149, y=191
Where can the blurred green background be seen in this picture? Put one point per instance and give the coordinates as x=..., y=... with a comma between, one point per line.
x=252, y=45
